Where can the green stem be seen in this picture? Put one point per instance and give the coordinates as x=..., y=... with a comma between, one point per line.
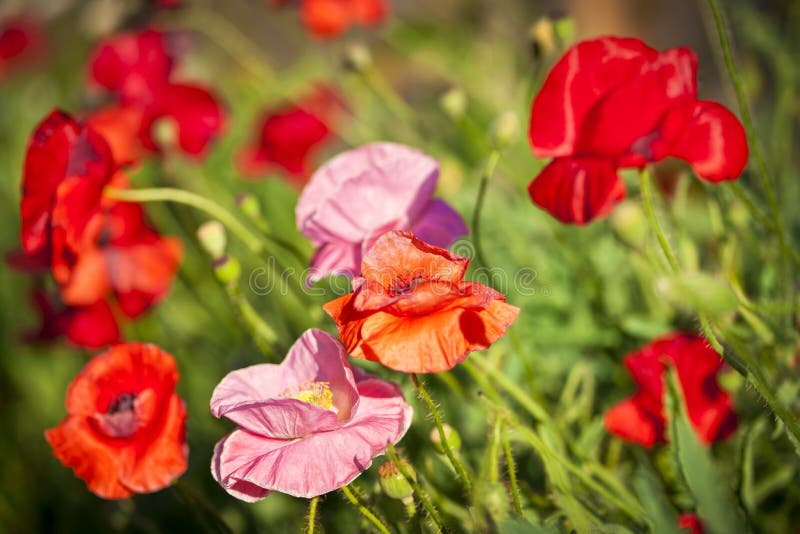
x=311, y=522
x=262, y=333
x=512, y=469
x=365, y=511
x=423, y=497
x=531, y=406
x=488, y=171
x=646, y=189
x=458, y=465
x=196, y=501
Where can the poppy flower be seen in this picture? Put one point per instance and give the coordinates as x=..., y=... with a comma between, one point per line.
x=125, y=428
x=305, y=427
x=363, y=193
x=120, y=125
x=640, y=418
x=691, y=522
x=67, y=165
x=21, y=41
x=327, y=19
x=118, y=253
x=138, y=69
x=91, y=326
x=612, y=103
x=288, y=136
x=412, y=311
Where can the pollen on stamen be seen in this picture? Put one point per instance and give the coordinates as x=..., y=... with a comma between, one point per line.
x=316, y=393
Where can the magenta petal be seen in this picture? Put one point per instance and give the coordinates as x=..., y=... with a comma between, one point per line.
x=364, y=189
x=440, y=224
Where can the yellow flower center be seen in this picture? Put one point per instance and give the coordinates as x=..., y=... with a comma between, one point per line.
x=316, y=393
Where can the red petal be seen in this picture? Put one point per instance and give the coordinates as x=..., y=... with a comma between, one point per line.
x=577, y=190
x=631, y=422
x=325, y=18
x=92, y=326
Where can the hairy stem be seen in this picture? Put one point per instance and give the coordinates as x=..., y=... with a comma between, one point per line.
x=488, y=172
x=364, y=510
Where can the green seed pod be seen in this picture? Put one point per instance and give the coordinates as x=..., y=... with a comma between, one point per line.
x=212, y=238
x=392, y=481
x=450, y=434
x=504, y=129
x=227, y=269
x=249, y=205
x=629, y=223
x=454, y=103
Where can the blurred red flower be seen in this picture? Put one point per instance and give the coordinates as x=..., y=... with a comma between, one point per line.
x=327, y=19
x=120, y=126
x=692, y=522
x=21, y=42
x=412, y=311
x=125, y=428
x=289, y=135
x=640, y=418
x=138, y=69
x=612, y=103
x=91, y=326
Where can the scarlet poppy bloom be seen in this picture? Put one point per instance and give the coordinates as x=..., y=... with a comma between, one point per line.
x=91, y=326
x=412, y=311
x=640, y=418
x=330, y=18
x=21, y=41
x=305, y=427
x=66, y=168
x=612, y=103
x=138, y=69
x=691, y=522
x=125, y=428
x=119, y=253
x=120, y=126
x=288, y=135
x=390, y=187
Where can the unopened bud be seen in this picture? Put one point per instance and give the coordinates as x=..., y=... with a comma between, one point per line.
x=249, y=205
x=551, y=33
x=212, y=238
x=504, y=129
x=357, y=57
x=629, y=223
x=450, y=434
x=698, y=292
x=454, y=103
x=227, y=269
x=164, y=132
x=392, y=481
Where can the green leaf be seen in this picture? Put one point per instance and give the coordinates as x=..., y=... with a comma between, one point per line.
x=714, y=499
x=661, y=514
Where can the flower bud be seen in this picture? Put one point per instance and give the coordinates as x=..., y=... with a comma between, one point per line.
x=629, y=223
x=698, y=292
x=551, y=33
x=454, y=103
x=357, y=57
x=165, y=133
x=249, y=205
x=227, y=269
x=450, y=434
x=392, y=481
x=494, y=499
x=504, y=129
x=212, y=238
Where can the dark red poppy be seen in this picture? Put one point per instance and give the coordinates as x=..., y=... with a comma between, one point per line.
x=120, y=254
x=91, y=326
x=66, y=168
x=289, y=135
x=21, y=42
x=125, y=429
x=640, y=418
x=327, y=19
x=691, y=522
x=612, y=103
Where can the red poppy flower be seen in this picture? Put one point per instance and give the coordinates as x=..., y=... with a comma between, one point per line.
x=135, y=66
x=119, y=253
x=120, y=126
x=125, y=428
x=412, y=311
x=91, y=326
x=330, y=18
x=66, y=167
x=640, y=418
x=612, y=103
x=289, y=135
x=692, y=522
x=21, y=41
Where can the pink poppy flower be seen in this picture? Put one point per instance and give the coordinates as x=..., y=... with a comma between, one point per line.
x=307, y=426
x=363, y=193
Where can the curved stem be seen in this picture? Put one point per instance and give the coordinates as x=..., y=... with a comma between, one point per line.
x=512, y=469
x=365, y=511
x=488, y=171
x=458, y=465
x=646, y=189
x=423, y=497
x=311, y=522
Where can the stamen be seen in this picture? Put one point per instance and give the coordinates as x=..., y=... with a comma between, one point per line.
x=316, y=393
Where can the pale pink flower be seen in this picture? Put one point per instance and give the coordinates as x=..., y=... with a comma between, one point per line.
x=363, y=193
x=307, y=426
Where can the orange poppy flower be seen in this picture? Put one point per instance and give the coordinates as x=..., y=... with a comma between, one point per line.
x=412, y=311
x=125, y=432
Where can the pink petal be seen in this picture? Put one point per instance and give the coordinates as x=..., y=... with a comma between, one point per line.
x=439, y=225
x=335, y=257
